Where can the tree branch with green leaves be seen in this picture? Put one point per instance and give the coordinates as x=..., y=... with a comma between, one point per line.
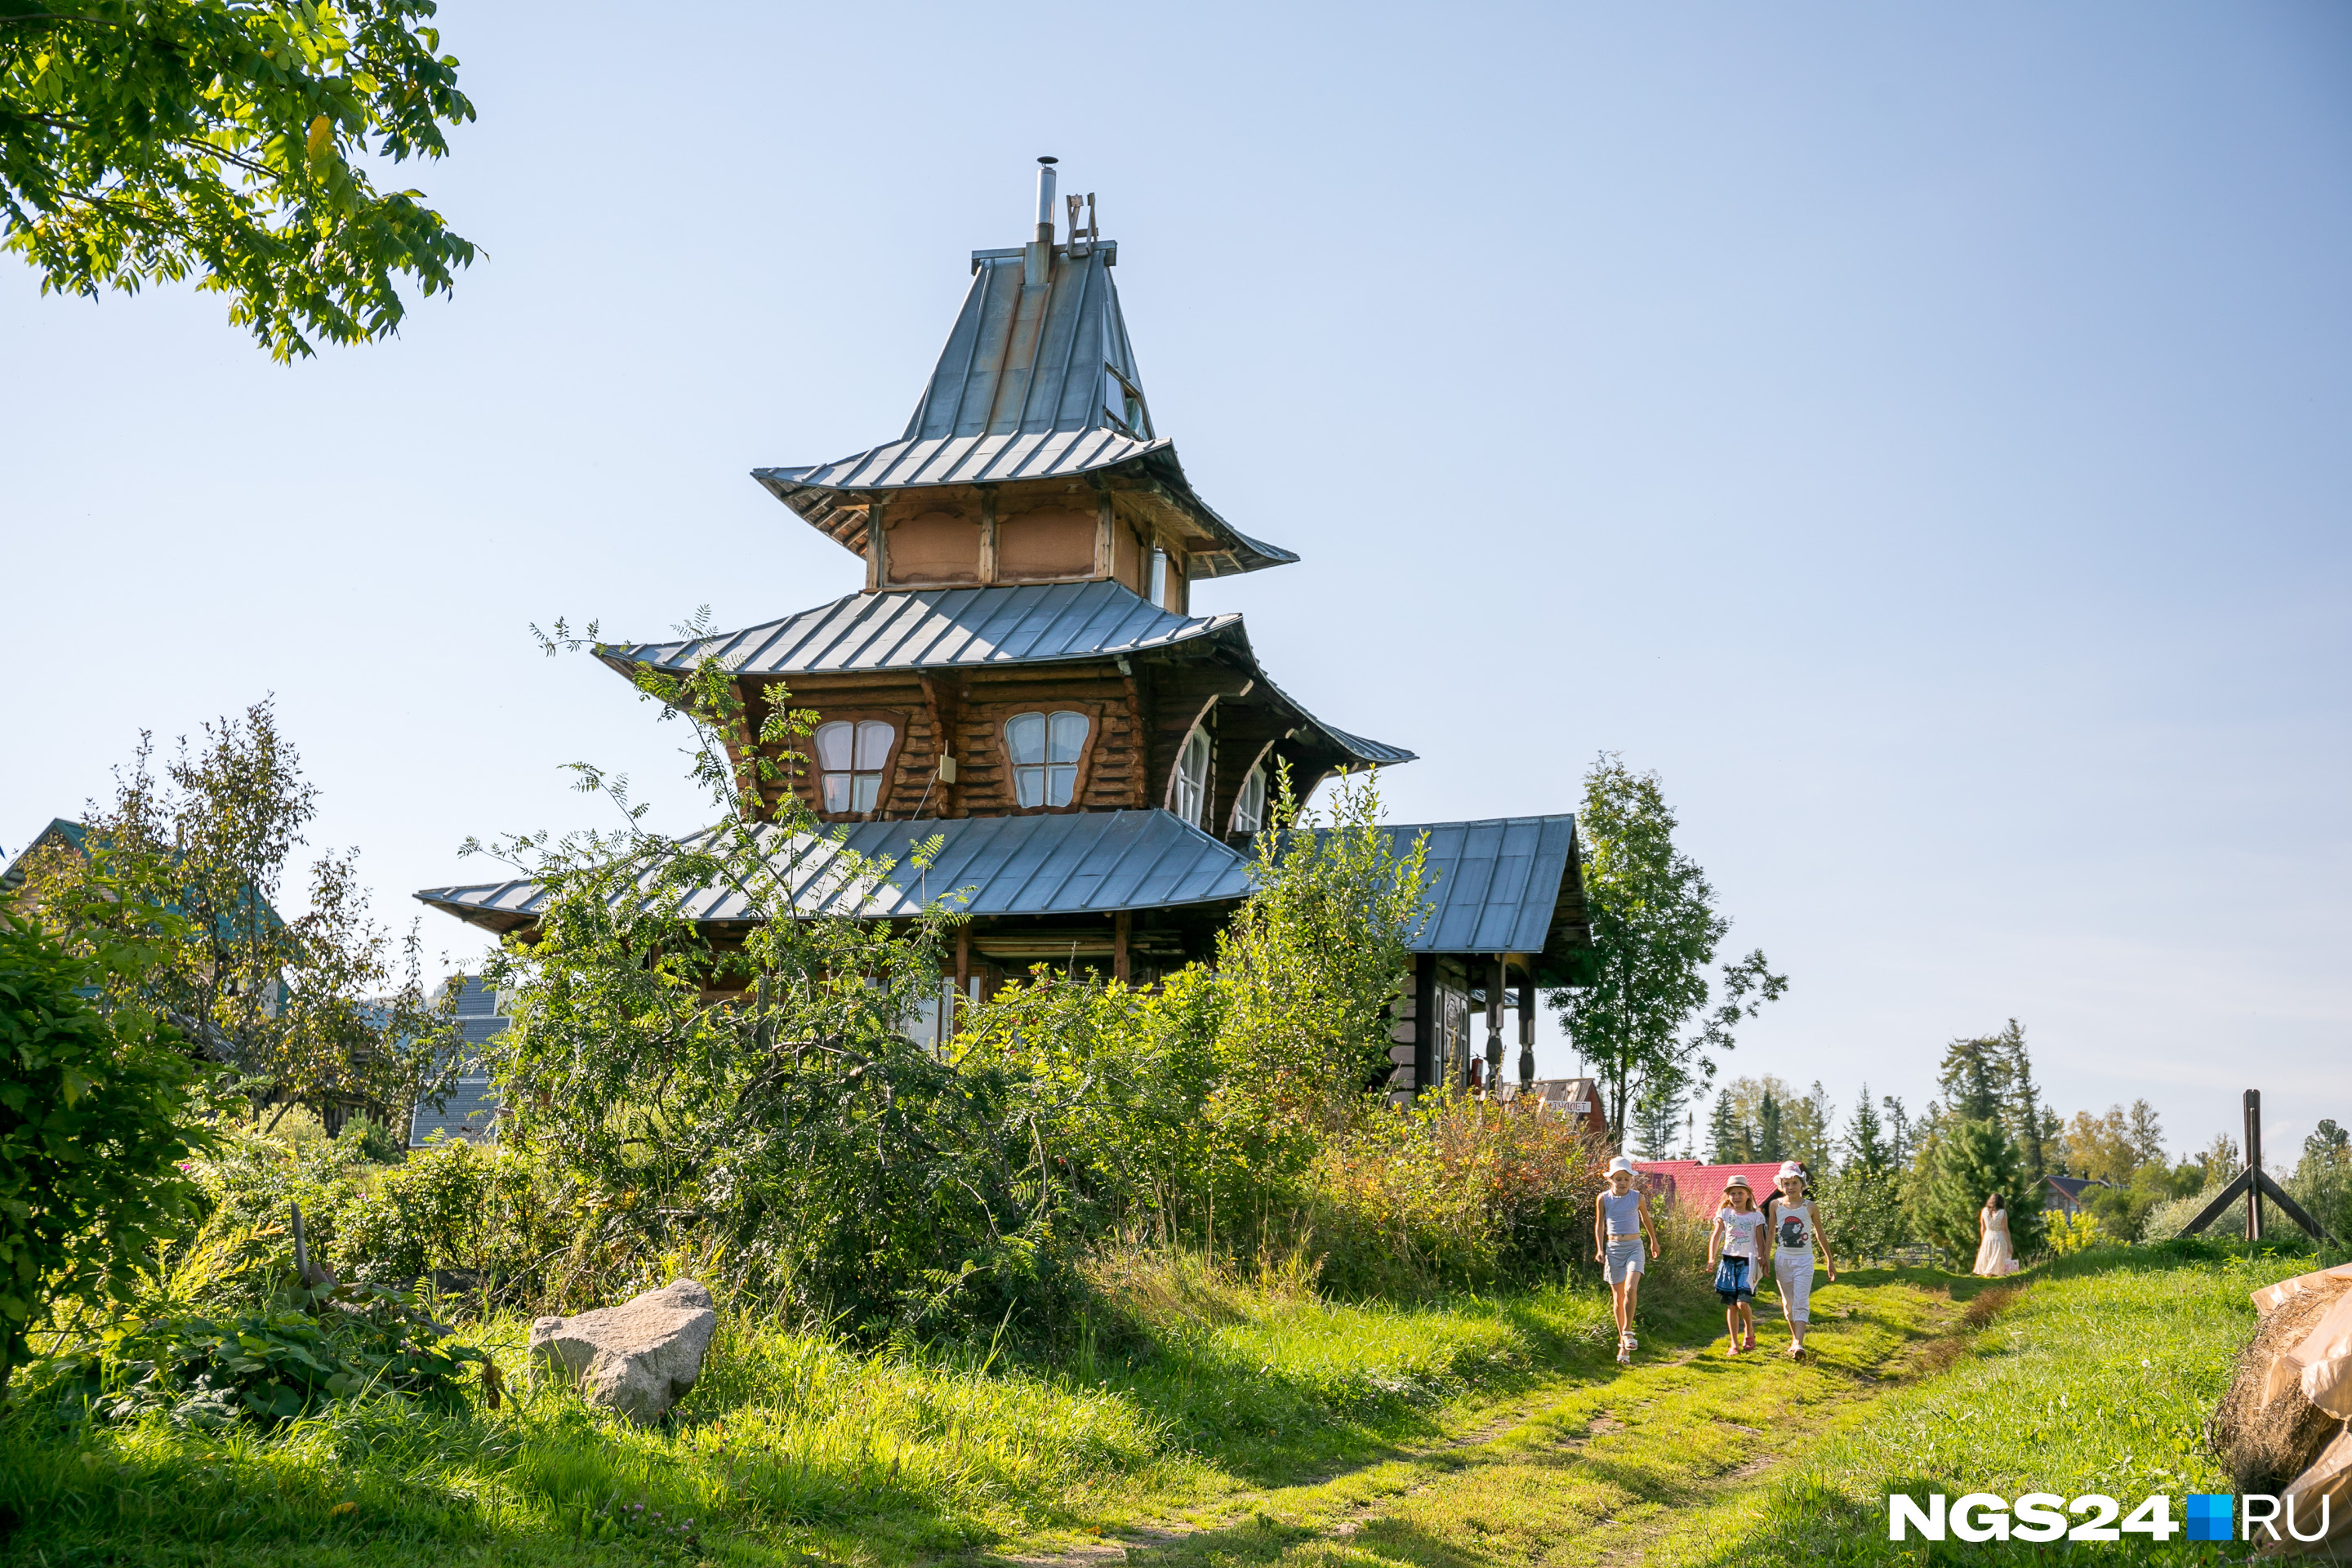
x=149, y=140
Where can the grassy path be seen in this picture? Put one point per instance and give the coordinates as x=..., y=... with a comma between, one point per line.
x=1587, y=1471
x=1274, y=1434
x=2092, y=1375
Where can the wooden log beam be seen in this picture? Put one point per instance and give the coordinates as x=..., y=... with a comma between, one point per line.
x=1121, y=925
x=987, y=534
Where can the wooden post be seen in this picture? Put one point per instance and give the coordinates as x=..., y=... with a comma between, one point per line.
x=1498, y=981
x=987, y=534
x=963, y=963
x=1105, y=551
x=877, y=571
x=1527, y=1027
x=2254, y=1164
x=1119, y=924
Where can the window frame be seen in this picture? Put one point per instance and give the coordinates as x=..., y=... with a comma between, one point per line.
x=812, y=778
x=1001, y=722
x=1257, y=774
x=1200, y=817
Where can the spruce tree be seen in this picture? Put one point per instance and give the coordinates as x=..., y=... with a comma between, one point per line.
x=1770, y=1145
x=2026, y=1118
x=1972, y=1159
x=1728, y=1139
x=1865, y=1143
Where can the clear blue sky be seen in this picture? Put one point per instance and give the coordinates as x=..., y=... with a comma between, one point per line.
x=1921, y=433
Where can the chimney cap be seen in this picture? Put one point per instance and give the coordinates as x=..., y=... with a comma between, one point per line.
x=1049, y=160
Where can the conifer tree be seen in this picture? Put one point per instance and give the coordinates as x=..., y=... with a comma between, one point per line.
x=1728, y=1139
x=2027, y=1117
x=1972, y=1159
x=1865, y=1143
x=1770, y=1145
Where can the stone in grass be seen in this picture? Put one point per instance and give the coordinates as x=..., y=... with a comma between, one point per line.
x=638, y=1358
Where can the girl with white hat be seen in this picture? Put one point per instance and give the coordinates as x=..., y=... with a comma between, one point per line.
x=1735, y=1251
x=1795, y=1222
x=1620, y=1224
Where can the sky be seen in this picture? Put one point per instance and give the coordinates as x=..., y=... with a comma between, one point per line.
x=1920, y=434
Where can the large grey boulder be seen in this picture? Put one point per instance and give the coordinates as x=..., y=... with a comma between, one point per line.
x=638, y=1358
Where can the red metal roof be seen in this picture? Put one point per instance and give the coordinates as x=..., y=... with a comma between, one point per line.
x=1700, y=1186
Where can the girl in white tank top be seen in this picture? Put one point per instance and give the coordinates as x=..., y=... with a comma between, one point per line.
x=1796, y=1225
x=1621, y=1224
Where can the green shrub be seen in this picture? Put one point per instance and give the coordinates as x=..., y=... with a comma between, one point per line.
x=2066, y=1233
x=1864, y=1212
x=307, y=1348
x=95, y=1119
x=451, y=1204
x=253, y=1176
x=1454, y=1192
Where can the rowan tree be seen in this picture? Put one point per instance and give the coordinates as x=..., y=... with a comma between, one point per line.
x=1651, y=1012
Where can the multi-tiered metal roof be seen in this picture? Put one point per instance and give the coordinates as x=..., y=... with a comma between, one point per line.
x=1037, y=381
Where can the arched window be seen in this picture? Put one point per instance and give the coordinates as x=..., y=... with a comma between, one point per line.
x=1188, y=792
x=849, y=758
x=1249, y=806
x=1046, y=748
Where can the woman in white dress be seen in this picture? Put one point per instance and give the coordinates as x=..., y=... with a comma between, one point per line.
x=1995, y=1254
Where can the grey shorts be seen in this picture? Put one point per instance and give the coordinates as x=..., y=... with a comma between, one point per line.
x=1625, y=1254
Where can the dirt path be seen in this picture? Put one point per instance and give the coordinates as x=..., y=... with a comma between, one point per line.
x=1584, y=1472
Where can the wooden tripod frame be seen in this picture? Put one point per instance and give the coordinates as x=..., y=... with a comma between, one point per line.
x=2253, y=1184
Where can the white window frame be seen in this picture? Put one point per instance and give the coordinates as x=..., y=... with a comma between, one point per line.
x=1249, y=802
x=1155, y=579
x=1188, y=789
x=1043, y=772
x=854, y=773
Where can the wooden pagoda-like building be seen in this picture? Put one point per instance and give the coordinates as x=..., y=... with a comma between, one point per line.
x=1021, y=674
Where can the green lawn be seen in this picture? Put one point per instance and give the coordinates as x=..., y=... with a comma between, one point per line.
x=792, y=1448
x=1243, y=1426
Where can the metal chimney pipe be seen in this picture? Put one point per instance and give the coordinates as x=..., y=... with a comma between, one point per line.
x=1045, y=199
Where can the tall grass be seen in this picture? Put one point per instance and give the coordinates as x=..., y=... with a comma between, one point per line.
x=1199, y=1380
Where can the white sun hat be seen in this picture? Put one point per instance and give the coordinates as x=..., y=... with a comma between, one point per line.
x=1621, y=1163
x=1790, y=1169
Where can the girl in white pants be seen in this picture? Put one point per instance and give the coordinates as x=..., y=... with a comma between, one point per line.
x=1795, y=1222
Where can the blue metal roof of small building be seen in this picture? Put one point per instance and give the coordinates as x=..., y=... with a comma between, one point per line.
x=1506, y=885
x=1502, y=882
x=1048, y=399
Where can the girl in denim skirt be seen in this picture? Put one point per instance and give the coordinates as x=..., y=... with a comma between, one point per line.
x=1736, y=1252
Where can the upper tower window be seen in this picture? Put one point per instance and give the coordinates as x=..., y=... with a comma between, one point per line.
x=1125, y=404
x=1045, y=749
x=1188, y=792
x=1249, y=806
x=1155, y=581
x=849, y=761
